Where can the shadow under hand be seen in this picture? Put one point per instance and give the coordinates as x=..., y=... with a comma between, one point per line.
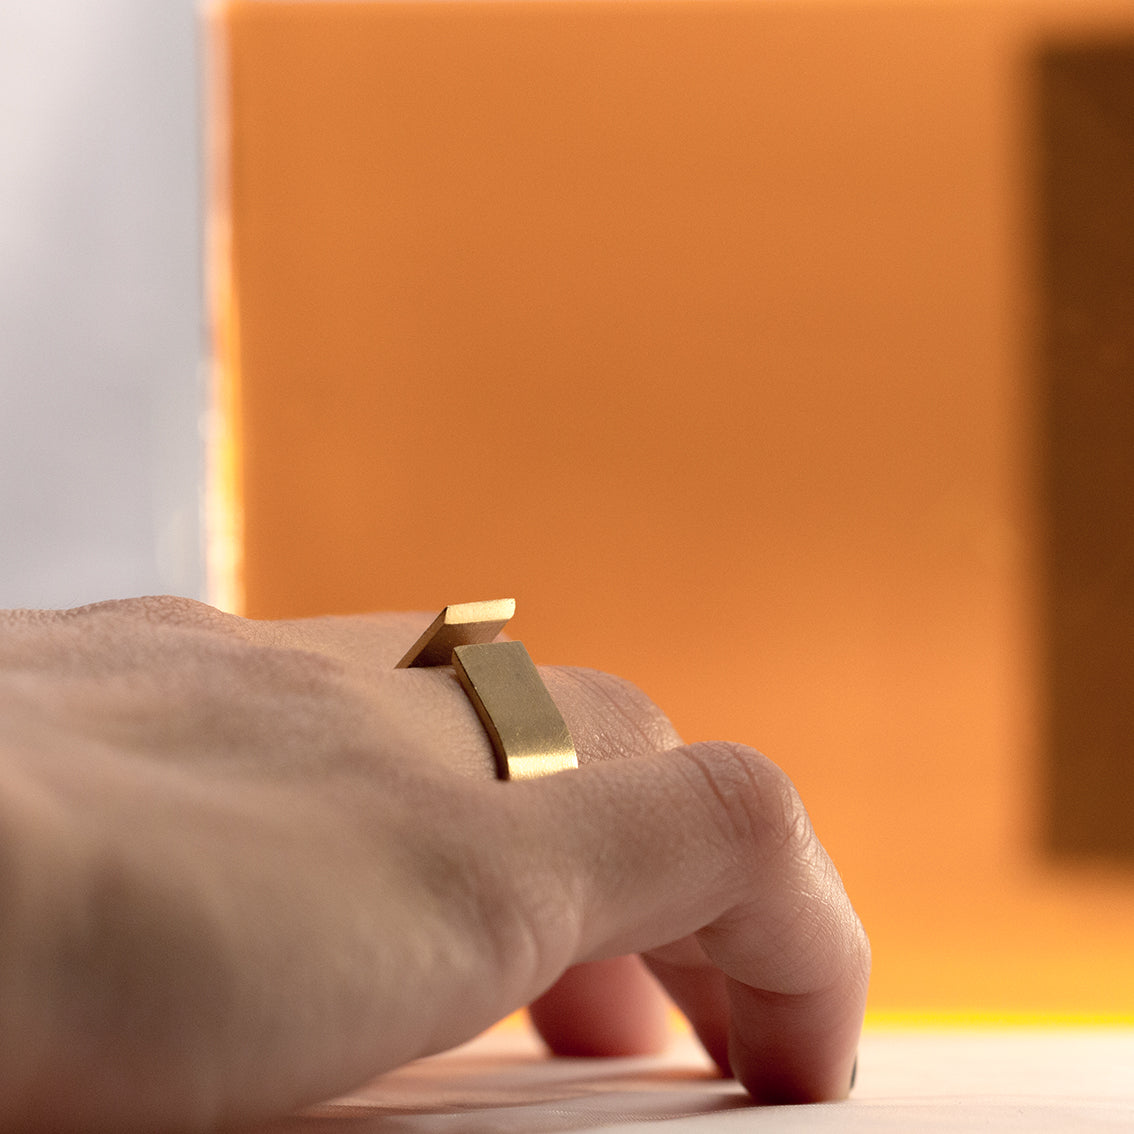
x=500, y=1084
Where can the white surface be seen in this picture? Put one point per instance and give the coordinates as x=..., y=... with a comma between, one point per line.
x=100, y=300
x=907, y=1081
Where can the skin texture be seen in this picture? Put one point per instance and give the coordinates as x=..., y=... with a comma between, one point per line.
x=245, y=866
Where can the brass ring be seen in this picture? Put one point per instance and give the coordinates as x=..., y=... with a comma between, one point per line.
x=528, y=734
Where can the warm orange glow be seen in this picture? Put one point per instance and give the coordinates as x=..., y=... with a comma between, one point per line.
x=224, y=500
x=729, y=300
x=224, y=497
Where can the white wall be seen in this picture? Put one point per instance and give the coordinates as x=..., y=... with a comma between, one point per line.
x=101, y=340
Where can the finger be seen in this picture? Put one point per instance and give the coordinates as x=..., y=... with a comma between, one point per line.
x=604, y=1008
x=429, y=714
x=612, y=1007
x=700, y=990
x=711, y=841
x=608, y=718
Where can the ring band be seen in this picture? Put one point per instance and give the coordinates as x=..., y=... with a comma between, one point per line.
x=528, y=734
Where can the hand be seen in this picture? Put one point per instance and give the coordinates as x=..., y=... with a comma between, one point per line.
x=245, y=866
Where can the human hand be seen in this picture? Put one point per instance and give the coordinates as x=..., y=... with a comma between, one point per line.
x=246, y=866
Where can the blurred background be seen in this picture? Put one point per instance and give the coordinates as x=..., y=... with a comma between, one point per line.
x=776, y=355
x=101, y=324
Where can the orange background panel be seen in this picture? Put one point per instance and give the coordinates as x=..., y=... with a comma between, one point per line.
x=702, y=329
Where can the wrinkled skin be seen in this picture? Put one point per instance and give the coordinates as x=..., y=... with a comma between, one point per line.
x=245, y=866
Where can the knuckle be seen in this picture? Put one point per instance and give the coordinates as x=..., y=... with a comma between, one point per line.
x=609, y=717
x=783, y=879
x=195, y=648
x=160, y=610
x=756, y=806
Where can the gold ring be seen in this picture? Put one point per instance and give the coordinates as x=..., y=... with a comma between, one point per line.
x=529, y=736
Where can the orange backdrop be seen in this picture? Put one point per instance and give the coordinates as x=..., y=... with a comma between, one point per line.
x=702, y=329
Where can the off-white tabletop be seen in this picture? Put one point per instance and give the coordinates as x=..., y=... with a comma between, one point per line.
x=1020, y=1080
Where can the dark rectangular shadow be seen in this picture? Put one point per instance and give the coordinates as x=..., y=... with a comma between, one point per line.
x=1086, y=209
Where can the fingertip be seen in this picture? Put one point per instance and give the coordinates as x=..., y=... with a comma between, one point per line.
x=784, y=1052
